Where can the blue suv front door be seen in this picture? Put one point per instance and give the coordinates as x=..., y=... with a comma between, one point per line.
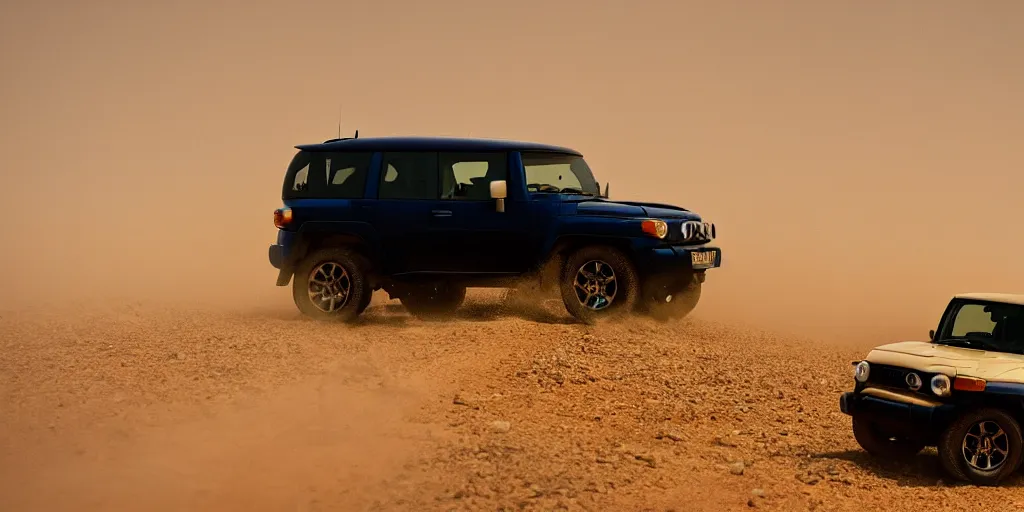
x=480, y=239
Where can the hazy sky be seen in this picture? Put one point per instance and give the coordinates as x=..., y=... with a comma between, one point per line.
x=862, y=160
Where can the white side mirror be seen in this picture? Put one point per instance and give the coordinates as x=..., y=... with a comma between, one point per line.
x=498, y=189
x=498, y=192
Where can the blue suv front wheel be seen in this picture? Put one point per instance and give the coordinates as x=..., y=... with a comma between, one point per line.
x=598, y=282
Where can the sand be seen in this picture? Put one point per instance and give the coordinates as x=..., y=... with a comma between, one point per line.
x=148, y=406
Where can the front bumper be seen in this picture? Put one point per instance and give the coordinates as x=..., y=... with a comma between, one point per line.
x=673, y=259
x=667, y=270
x=896, y=414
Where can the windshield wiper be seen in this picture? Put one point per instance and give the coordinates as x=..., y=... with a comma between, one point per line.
x=966, y=342
x=574, y=190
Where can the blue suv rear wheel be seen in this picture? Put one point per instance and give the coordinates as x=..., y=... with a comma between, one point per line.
x=332, y=284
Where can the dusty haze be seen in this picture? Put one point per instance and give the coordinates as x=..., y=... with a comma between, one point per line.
x=861, y=161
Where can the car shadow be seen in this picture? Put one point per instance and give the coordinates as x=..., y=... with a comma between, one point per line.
x=922, y=470
x=485, y=312
x=396, y=314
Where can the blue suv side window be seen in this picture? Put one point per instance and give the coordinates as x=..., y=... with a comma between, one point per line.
x=298, y=182
x=345, y=174
x=408, y=175
x=467, y=176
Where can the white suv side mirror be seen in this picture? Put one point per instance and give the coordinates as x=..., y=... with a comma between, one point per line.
x=498, y=192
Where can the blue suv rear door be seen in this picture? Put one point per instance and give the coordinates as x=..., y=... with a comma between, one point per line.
x=407, y=212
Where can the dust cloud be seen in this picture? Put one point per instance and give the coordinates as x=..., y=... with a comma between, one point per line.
x=860, y=161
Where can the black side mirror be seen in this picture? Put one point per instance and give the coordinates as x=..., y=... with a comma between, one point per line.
x=931, y=335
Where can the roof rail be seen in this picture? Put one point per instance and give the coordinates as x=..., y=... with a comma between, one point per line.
x=356, y=136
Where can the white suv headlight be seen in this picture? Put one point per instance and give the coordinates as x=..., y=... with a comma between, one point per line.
x=941, y=385
x=862, y=371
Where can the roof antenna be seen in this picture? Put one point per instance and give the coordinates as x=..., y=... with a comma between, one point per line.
x=339, y=121
x=357, y=134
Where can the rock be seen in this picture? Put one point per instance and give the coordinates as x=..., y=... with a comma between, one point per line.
x=737, y=468
x=500, y=426
x=610, y=459
x=758, y=493
x=649, y=459
x=750, y=503
x=725, y=441
x=808, y=478
x=669, y=435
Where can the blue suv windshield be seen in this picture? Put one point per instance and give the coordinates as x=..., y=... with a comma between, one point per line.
x=558, y=173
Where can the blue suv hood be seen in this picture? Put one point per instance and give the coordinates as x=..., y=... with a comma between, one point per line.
x=606, y=208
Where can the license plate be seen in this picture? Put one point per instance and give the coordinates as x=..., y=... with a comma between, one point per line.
x=703, y=258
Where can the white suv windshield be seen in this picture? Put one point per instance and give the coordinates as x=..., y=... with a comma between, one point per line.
x=987, y=326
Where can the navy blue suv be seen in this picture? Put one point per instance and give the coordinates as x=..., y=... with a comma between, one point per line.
x=425, y=218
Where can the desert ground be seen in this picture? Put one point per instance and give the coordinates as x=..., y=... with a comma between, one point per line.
x=149, y=406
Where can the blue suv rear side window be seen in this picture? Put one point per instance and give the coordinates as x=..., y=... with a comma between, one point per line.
x=345, y=174
x=327, y=175
x=408, y=175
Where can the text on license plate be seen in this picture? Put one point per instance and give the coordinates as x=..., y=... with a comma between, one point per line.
x=703, y=258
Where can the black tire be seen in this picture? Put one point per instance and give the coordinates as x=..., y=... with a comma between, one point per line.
x=879, y=443
x=954, y=454
x=355, y=300
x=433, y=301
x=624, y=295
x=683, y=303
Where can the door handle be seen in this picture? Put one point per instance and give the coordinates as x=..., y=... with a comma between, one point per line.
x=441, y=213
